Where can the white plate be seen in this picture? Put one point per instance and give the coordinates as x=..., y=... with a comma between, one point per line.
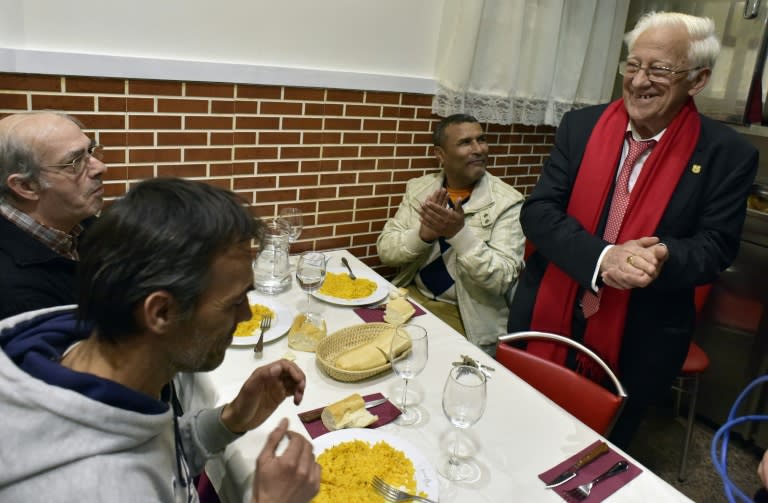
x=426, y=476
x=381, y=292
x=280, y=323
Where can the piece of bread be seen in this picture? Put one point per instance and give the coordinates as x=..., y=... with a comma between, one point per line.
x=384, y=343
x=347, y=413
x=400, y=292
x=398, y=311
x=304, y=335
x=371, y=355
x=364, y=357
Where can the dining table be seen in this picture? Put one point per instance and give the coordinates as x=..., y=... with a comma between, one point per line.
x=520, y=434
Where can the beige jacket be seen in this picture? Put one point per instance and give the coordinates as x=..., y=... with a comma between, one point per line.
x=488, y=250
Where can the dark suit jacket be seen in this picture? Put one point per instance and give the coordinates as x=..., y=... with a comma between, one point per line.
x=32, y=276
x=701, y=228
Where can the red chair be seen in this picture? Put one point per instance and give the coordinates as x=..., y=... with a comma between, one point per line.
x=696, y=362
x=583, y=398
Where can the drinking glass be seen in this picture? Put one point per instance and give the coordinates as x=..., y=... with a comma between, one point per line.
x=310, y=273
x=293, y=218
x=408, y=365
x=464, y=398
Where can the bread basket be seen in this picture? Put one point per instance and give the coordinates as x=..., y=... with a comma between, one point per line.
x=343, y=340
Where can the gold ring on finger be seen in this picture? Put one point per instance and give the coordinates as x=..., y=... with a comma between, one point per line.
x=629, y=260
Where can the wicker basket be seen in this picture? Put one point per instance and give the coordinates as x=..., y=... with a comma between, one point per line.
x=343, y=340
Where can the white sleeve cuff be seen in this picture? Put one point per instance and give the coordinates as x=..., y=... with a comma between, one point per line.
x=597, y=268
x=413, y=242
x=463, y=241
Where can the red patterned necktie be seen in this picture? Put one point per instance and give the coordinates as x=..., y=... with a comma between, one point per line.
x=590, y=302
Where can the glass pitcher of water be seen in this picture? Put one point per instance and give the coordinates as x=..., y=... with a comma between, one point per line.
x=271, y=271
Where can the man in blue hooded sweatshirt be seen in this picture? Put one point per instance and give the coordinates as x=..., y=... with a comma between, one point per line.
x=87, y=402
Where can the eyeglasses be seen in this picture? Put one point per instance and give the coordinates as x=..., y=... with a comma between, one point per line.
x=660, y=74
x=78, y=164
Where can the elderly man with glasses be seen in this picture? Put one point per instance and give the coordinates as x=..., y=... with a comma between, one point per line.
x=50, y=187
x=640, y=201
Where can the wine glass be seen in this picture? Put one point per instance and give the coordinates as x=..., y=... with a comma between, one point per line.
x=293, y=218
x=310, y=273
x=464, y=397
x=408, y=365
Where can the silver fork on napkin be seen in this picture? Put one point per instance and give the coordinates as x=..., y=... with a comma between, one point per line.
x=582, y=492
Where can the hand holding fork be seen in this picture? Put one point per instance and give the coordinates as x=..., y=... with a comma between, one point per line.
x=266, y=322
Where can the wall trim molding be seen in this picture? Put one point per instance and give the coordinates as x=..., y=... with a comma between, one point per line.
x=133, y=67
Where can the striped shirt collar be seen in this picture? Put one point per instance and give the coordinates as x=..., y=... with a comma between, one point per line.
x=61, y=242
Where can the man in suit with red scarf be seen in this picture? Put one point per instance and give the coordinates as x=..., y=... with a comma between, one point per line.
x=617, y=257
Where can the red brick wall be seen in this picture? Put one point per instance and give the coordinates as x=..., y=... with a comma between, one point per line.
x=342, y=156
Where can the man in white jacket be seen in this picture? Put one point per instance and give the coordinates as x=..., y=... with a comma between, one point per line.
x=456, y=237
x=87, y=402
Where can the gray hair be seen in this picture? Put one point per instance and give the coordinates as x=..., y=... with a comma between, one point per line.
x=704, y=47
x=17, y=157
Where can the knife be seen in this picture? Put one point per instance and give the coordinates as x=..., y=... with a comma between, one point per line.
x=314, y=415
x=583, y=461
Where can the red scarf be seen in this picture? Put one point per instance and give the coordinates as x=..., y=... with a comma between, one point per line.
x=650, y=195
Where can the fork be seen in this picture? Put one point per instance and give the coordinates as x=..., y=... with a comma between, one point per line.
x=394, y=494
x=346, y=264
x=266, y=322
x=580, y=493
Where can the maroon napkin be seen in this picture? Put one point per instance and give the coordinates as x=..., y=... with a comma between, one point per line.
x=376, y=314
x=386, y=412
x=589, y=472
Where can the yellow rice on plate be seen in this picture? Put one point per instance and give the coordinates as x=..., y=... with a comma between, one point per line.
x=349, y=467
x=246, y=328
x=342, y=286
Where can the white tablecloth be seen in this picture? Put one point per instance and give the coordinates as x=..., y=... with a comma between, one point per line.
x=520, y=435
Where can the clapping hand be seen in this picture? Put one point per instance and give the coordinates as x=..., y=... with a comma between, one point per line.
x=633, y=264
x=262, y=393
x=438, y=219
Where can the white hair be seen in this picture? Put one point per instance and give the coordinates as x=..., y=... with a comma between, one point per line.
x=704, y=47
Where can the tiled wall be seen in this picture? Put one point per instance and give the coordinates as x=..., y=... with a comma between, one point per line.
x=342, y=156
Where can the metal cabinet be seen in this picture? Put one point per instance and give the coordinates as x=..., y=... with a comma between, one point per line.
x=734, y=326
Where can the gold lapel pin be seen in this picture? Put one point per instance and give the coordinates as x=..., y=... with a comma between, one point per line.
x=696, y=169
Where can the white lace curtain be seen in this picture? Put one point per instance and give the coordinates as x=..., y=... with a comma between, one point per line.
x=527, y=61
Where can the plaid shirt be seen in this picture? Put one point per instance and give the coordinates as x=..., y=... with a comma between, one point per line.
x=61, y=242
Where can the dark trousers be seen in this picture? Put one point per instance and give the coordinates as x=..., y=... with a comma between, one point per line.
x=647, y=369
